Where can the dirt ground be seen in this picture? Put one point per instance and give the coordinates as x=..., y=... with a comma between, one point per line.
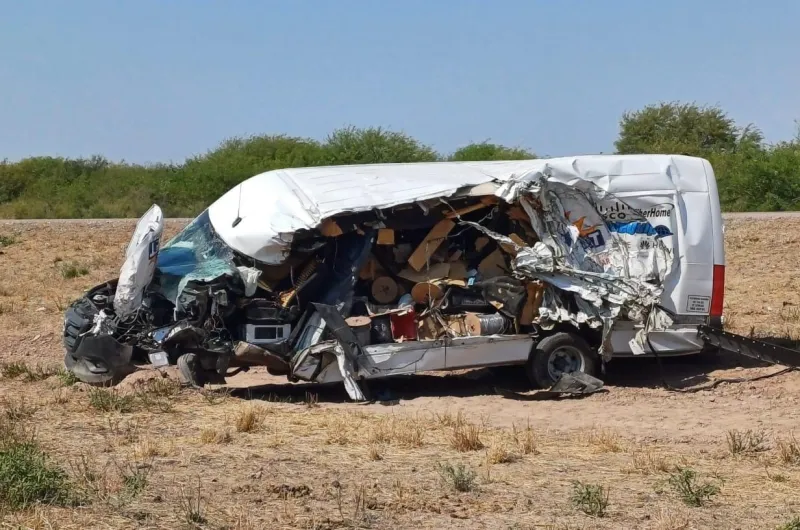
x=267, y=454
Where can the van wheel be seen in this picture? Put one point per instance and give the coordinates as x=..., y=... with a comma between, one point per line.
x=558, y=354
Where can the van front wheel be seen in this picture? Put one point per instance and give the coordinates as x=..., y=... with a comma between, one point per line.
x=558, y=354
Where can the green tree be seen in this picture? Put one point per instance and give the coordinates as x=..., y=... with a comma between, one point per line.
x=374, y=145
x=206, y=177
x=682, y=128
x=489, y=151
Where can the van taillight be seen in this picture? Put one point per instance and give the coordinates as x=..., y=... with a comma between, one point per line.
x=718, y=291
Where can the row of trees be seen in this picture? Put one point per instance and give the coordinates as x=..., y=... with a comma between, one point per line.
x=751, y=174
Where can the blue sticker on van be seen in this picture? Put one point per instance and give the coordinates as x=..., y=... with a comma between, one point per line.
x=639, y=228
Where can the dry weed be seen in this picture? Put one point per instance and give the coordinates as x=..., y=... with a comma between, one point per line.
x=775, y=477
x=410, y=432
x=606, y=440
x=671, y=519
x=243, y=519
x=525, y=440
x=398, y=489
x=60, y=397
x=465, y=436
x=18, y=409
x=93, y=481
x=374, y=453
x=110, y=400
x=446, y=419
x=38, y=518
x=150, y=447
x=647, y=462
x=401, y=431
x=209, y=435
x=789, y=451
x=191, y=502
x=274, y=440
x=499, y=453
x=250, y=418
x=339, y=428
x=746, y=442
x=126, y=431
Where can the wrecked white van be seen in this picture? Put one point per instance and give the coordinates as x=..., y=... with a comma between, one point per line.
x=346, y=273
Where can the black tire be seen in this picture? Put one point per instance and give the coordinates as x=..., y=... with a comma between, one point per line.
x=558, y=353
x=78, y=320
x=193, y=374
x=190, y=371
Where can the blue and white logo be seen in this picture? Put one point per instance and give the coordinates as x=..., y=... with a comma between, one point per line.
x=639, y=228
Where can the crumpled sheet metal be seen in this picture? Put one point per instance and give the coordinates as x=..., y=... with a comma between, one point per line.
x=607, y=274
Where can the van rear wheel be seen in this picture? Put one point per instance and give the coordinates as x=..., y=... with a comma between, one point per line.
x=558, y=354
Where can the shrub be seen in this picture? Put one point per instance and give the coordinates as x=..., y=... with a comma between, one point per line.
x=591, y=499
x=459, y=477
x=693, y=493
x=28, y=477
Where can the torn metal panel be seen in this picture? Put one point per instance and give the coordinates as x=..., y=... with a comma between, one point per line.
x=609, y=273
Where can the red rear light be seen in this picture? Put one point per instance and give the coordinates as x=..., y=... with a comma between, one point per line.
x=718, y=291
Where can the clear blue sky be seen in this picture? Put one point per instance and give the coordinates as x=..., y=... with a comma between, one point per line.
x=158, y=80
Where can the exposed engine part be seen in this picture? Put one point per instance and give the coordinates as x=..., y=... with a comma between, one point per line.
x=299, y=283
x=261, y=310
x=463, y=301
x=381, y=330
x=266, y=333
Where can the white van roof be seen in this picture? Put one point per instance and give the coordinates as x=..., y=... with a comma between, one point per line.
x=275, y=204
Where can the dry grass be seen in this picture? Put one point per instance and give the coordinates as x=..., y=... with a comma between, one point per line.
x=671, y=519
x=499, y=452
x=465, y=436
x=605, y=440
x=789, y=450
x=250, y=418
x=648, y=462
x=393, y=430
x=525, y=440
x=151, y=447
x=210, y=435
x=374, y=453
x=747, y=442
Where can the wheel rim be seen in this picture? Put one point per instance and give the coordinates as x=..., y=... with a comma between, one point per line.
x=564, y=360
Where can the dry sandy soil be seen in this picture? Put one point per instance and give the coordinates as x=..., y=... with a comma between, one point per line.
x=272, y=455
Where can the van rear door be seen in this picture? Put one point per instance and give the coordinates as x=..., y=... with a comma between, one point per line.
x=679, y=199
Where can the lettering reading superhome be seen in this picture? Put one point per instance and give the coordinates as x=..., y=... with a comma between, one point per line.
x=618, y=211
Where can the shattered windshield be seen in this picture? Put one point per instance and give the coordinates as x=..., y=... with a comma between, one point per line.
x=196, y=253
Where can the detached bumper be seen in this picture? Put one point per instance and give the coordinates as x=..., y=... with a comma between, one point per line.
x=99, y=359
